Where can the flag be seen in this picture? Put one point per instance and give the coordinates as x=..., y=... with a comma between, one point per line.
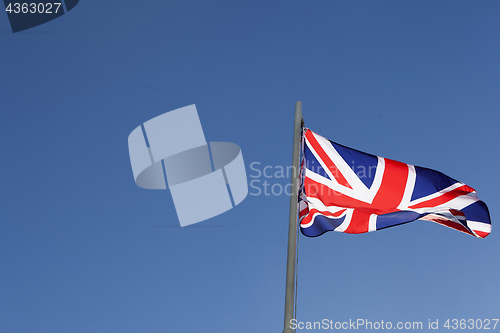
x=346, y=190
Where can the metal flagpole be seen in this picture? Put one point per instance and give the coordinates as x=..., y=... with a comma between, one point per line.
x=292, y=226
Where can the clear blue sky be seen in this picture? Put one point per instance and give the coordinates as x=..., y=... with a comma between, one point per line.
x=83, y=249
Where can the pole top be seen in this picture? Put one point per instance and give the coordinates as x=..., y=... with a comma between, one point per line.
x=298, y=113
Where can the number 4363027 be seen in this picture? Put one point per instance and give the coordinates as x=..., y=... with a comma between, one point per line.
x=40, y=8
x=484, y=324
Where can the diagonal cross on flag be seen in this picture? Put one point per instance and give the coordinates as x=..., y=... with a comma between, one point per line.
x=381, y=194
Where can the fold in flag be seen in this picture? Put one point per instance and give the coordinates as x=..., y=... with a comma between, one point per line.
x=346, y=190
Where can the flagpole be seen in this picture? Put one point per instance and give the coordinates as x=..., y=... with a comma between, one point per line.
x=292, y=224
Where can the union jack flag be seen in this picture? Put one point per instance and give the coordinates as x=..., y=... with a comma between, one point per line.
x=346, y=190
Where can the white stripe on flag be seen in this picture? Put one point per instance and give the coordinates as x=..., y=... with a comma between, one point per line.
x=372, y=223
x=410, y=184
x=479, y=226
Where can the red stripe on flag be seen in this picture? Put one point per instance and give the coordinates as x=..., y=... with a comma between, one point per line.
x=388, y=197
x=309, y=217
x=445, y=197
x=326, y=159
x=359, y=222
x=448, y=223
x=330, y=197
x=481, y=234
x=304, y=211
x=392, y=188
